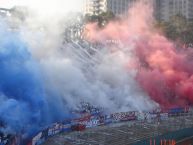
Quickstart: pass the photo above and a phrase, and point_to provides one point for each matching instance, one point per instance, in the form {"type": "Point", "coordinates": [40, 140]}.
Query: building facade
{"type": "Point", "coordinates": [165, 9]}
{"type": "Point", "coordinates": [94, 7]}
{"type": "Point", "coordinates": [118, 7]}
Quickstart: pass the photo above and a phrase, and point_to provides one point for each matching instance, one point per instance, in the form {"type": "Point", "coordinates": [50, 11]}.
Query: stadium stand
{"type": "Point", "coordinates": [126, 133]}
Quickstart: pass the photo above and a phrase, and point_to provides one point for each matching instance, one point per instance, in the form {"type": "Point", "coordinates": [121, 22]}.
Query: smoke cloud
{"type": "Point", "coordinates": [42, 79]}
{"type": "Point", "coordinates": [22, 96]}
{"type": "Point", "coordinates": [163, 71]}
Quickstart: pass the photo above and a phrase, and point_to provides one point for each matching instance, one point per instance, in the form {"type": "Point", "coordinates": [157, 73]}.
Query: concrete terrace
{"type": "Point", "coordinates": [123, 133]}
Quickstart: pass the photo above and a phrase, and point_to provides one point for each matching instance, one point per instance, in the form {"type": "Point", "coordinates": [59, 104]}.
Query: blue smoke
{"type": "Point", "coordinates": [21, 93]}
{"type": "Point", "coordinates": [23, 103]}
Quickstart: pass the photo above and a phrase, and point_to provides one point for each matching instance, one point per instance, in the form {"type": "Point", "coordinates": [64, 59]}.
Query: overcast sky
{"type": "Point", "coordinates": [45, 5]}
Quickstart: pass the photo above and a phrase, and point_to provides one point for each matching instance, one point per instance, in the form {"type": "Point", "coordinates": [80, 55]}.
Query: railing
{"type": "Point", "coordinates": [100, 119]}
{"type": "Point", "coordinates": [91, 121]}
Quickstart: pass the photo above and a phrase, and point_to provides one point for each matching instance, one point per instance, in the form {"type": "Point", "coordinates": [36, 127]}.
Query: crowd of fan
{"type": "Point", "coordinates": [91, 116]}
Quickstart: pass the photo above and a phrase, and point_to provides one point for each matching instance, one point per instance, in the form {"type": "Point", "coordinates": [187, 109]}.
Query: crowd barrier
{"type": "Point", "coordinates": [90, 121]}
{"type": "Point", "coordinates": [97, 119]}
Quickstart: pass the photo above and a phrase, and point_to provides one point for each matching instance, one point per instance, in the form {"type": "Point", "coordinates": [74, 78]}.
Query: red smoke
{"type": "Point", "coordinates": [164, 72]}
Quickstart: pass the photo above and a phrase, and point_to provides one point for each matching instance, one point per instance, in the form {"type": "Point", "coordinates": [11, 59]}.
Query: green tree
{"type": "Point", "coordinates": [178, 28]}
{"type": "Point", "coordinates": [102, 19]}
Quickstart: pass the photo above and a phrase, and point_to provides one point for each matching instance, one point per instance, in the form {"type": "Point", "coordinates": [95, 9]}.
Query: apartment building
{"type": "Point", "coordinates": [94, 7]}
{"type": "Point", "coordinates": [118, 7]}
{"type": "Point", "coordinates": [165, 9]}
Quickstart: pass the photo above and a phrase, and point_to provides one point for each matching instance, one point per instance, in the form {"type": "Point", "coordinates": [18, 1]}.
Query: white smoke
{"type": "Point", "coordinates": [45, 8]}
{"type": "Point", "coordinates": [72, 74]}
{"type": "Point", "coordinates": [101, 79]}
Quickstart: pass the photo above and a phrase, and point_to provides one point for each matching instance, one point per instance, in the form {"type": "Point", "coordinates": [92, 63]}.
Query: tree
{"type": "Point", "coordinates": [102, 19]}
{"type": "Point", "coordinates": [178, 28]}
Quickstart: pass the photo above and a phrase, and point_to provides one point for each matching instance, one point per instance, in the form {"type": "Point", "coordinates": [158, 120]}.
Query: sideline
{"type": "Point", "coordinates": [185, 139]}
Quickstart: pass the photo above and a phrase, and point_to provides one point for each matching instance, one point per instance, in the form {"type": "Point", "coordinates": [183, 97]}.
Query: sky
{"type": "Point", "coordinates": [48, 6]}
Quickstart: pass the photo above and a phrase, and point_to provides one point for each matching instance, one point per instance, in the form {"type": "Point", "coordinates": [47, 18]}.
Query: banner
{"type": "Point", "coordinates": [124, 116]}
{"type": "Point", "coordinates": [164, 116]}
